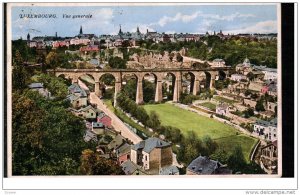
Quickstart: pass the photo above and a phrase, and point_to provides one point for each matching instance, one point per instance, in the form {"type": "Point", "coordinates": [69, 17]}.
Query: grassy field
{"type": "Point", "coordinates": [226, 136]}
{"type": "Point", "coordinates": [209, 105]}
{"type": "Point", "coordinates": [222, 99]}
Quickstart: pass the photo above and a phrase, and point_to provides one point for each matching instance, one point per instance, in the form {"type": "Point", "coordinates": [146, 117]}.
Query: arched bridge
{"type": "Point", "coordinates": [196, 75]}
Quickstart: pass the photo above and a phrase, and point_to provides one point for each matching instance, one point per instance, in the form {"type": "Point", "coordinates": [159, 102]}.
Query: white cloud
{"type": "Point", "coordinates": [269, 26]}
{"type": "Point", "coordinates": [178, 17]}
{"type": "Point", "coordinates": [187, 18]}
{"type": "Point", "coordinates": [170, 32]}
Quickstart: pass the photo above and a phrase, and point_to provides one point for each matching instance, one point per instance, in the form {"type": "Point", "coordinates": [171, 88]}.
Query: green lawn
{"type": "Point", "coordinates": [209, 105]}
{"type": "Point", "coordinates": [222, 99]}
{"type": "Point", "coordinates": [225, 135]}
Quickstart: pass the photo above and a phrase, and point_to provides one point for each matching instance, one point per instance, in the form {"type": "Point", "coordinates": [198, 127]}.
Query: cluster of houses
{"type": "Point", "coordinates": [263, 81]}
{"type": "Point", "coordinates": [127, 39]}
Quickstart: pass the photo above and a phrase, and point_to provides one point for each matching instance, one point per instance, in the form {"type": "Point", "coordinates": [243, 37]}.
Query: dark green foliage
{"type": "Point", "coordinates": [260, 105]}
{"type": "Point", "coordinates": [188, 98]}
{"type": "Point", "coordinates": [233, 51]}
{"type": "Point", "coordinates": [55, 85]}
{"type": "Point", "coordinates": [148, 91]}
{"type": "Point", "coordinates": [117, 63]}
{"type": "Point", "coordinates": [19, 73]}
{"type": "Point", "coordinates": [93, 164]}
{"type": "Point", "coordinates": [236, 160]}
{"type": "Point", "coordinates": [47, 140]}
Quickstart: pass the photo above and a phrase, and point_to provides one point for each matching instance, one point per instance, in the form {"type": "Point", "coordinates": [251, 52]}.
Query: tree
{"type": "Point", "coordinates": [55, 85]}
{"type": "Point", "coordinates": [93, 164]}
{"type": "Point", "coordinates": [117, 63]}
{"type": "Point", "coordinates": [52, 60]}
{"type": "Point", "coordinates": [260, 105]}
{"type": "Point", "coordinates": [250, 76]}
{"type": "Point", "coordinates": [154, 121]}
{"type": "Point", "coordinates": [19, 73]}
{"type": "Point", "coordinates": [47, 139]}
{"type": "Point", "coordinates": [236, 160]}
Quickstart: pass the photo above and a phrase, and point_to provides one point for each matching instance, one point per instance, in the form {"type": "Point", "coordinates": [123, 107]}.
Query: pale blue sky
{"type": "Point", "coordinates": [169, 19]}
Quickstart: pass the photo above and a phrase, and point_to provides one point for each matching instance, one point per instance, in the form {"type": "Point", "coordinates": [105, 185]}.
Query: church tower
{"type": "Point", "coordinates": [80, 31]}
{"type": "Point", "coordinates": [28, 37]}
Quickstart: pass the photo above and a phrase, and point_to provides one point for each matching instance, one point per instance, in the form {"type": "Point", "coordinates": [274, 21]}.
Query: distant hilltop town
{"type": "Point", "coordinates": [129, 39]}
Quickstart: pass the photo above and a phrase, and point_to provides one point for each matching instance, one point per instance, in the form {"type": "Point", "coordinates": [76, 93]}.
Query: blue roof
{"type": "Point", "coordinates": [75, 88]}
{"type": "Point", "coordinates": [129, 167]}
{"type": "Point", "coordinates": [204, 165]}
{"type": "Point", "coordinates": [149, 144]}
{"type": "Point", "coordinates": [170, 170]}
{"type": "Point", "coordinates": [36, 85]}
{"type": "Point", "coordinates": [72, 97]}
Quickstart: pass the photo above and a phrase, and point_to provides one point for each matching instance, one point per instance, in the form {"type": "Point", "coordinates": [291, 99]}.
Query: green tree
{"type": "Point", "coordinates": [117, 63]}
{"type": "Point", "coordinates": [236, 160]}
{"type": "Point", "coordinates": [93, 164]}
{"type": "Point", "coordinates": [153, 121]}
{"type": "Point", "coordinates": [52, 60]}
{"type": "Point", "coordinates": [19, 73]}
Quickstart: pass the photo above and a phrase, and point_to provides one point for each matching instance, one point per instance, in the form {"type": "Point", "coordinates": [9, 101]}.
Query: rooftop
{"type": "Point", "coordinates": [36, 85]}
{"type": "Point", "coordinates": [149, 144]}
{"type": "Point", "coordinates": [204, 166]}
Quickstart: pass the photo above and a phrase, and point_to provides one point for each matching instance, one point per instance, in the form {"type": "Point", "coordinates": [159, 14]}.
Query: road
{"type": "Point", "coordinates": [117, 124]}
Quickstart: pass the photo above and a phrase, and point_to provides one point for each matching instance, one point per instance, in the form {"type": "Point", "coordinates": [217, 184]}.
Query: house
{"type": "Point", "coordinates": [170, 170]}
{"type": "Point", "coordinates": [222, 109]}
{"type": "Point", "coordinates": [79, 41]}
{"type": "Point", "coordinates": [272, 90]}
{"type": "Point", "coordinates": [238, 77]}
{"type": "Point", "coordinates": [130, 168]}
{"type": "Point", "coordinates": [89, 49]}
{"type": "Point", "coordinates": [272, 106]}
{"type": "Point", "coordinates": [77, 96]}
{"type": "Point", "coordinates": [267, 114]}
{"type": "Point", "coordinates": [249, 103]}
{"type": "Point", "coordinates": [106, 120]}
{"type": "Point", "coordinates": [152, 154]}
{"type": "Point", "coordinates": [256, 86]}
{"type": "Point", "coordinates": [270, 74]}
{"type": "Point", "coordinates": [266, 129]}
{"type": "Point", "coordinates": [269, 158]}
{"type": "Point", "coordinates": [218, 63]}
{"type": "Point", "coordinates": [39, 87]}
{"type": "Point", "coordinates": [89, 135]}
{"type": "Point", "coordinates": [123, 153]}
{"type": "Point", "coordinates": [203, 165]}
{"type": "Point", "coordinates": [98, 128]}
{"type": "Point", "coordinates": [245, 67]}
{"type": "Point", "coordinates": [117, 142]}
{"type": "Point", "coordinates": [77, 101]}
{"type": "Point", "coordinates": [88, 112]}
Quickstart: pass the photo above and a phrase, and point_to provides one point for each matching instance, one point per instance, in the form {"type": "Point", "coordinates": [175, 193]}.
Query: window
{"type": "Point", "coordinates": [92, 114]}
{"type": "Point", "coordinates": [128, 156]}
{"type": "Point", "coordinates": [146, 157]}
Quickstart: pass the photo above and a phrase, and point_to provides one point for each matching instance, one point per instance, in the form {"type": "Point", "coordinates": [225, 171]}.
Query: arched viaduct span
{"type": "Point", "coordinates": [196, 76]}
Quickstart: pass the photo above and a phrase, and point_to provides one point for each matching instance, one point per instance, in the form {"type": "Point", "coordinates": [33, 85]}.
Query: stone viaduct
{"type": "Point", "coordinates": [196, 76]}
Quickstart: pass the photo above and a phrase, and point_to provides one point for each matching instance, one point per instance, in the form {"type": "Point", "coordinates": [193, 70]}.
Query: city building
{"type": "Point", "coordinates": [152, 154]}
{"type": "Point", "coordinates": [203, 165]}
{"type": "Point", "coordinates": [266, 129]}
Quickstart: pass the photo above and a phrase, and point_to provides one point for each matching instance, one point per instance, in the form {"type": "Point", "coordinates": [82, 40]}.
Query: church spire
{"type": "Point", "coordinates": [80, 31]}
{"type": "Point", "coordinates": [120, 31]}
{"type": "Point", "coordinates": [138, 30]}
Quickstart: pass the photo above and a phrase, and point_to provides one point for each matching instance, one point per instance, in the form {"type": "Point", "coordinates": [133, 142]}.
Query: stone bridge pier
{"type": "Point", "coordinates": [197, 75]}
